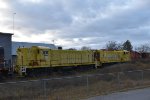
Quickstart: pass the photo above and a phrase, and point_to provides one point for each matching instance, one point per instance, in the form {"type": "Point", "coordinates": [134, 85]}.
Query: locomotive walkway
{"type": "Point", "coordinates": [139, 94]}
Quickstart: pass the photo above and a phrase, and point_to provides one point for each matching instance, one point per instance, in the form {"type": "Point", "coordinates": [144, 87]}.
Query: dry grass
{"type": "Point", "coordinates": [122, 67]}
{"type": "Point", "coordinates": [80, 87]}
{"type": "Point", "coordinates": [68, 89]}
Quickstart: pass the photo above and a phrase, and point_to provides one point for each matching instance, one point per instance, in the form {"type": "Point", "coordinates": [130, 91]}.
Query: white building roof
{"type": "Point", "coordinates": [16, 45]}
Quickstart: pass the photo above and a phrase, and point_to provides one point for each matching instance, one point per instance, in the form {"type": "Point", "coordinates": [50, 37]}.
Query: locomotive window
{"type": "Point", "coordinates": [97, 55]}
{"type": "Point", "coordinates": [45, 52]}
{"type": "Point", "coordinates": [125, 52]}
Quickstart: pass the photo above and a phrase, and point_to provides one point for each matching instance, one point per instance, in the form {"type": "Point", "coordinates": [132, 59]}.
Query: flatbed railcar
{"type": "Point", "coordinates": [38, 59]}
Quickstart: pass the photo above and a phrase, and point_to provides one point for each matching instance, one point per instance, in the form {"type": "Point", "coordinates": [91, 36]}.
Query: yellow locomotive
{"type": "Point", "coordinates": [39, 58]}
{"type": "Point", "coordinates": [104, 56]}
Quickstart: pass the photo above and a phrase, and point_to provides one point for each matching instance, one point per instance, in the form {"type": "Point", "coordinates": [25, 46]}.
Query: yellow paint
{"type": "Point", "coordinates": [38, 57]}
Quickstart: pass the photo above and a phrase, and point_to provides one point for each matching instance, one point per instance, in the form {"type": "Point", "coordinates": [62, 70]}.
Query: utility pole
{"type": "Point", "coordinates": [53, 41]}
{"type": "Point", "coordinates": [13, 22]}
{"type": "Point", "coordinates": [12, 67]}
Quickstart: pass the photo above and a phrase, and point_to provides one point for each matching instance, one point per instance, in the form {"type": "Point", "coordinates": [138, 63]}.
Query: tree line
{"type": "Point", "coordinates": [113, 45]}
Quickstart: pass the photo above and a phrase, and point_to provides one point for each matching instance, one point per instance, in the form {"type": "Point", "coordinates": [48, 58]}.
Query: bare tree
{"type": "Point", "coordinates": [113, 45]}
{"type": "Point", "coordinates": [85, 48]}
{"type": "Point", "coordinates": [72, 49]}
{"type": "Point", "coordinates": [143, 48]}
{"type": "Point", "coordinates": [119, 46]}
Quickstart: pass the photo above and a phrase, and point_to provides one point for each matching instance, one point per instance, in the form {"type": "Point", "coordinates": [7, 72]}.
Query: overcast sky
{"type": "Point", "coordinates": [77, 23]}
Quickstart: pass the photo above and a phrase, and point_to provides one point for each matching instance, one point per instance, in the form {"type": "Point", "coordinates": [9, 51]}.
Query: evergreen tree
{"type": "Point", "coordinates": [127, 45]}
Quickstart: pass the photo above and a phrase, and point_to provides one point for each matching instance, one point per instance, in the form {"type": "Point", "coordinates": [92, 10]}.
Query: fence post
{"type": "Point", "coordinates": [44, 88]}
{"type": "Point", "coordinates": [142, 76]}
{"type": "Point", "coordinates": [87, 84]}
{"type": "Point", "coordinates": [118, 78]}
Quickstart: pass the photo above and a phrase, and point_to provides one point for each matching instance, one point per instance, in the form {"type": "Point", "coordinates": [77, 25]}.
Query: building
{"type": "Point", "coordinates": [10, 47]}
{"type": "Point", "coordinates": [16, 45]}
{"type": "Point", "coordinates": [5, 42]}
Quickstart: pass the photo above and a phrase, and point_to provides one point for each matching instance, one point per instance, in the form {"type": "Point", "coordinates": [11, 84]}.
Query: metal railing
{"type": "Point", "coordinates": [74, 88]}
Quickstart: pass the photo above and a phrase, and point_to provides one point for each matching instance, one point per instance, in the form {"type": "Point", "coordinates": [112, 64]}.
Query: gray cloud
{"type": "Point", "coordinates": [77, 23]}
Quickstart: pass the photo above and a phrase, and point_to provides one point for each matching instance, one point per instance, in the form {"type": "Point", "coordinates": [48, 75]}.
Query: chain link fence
{"type": "Point", "coordinates": [74, 88]}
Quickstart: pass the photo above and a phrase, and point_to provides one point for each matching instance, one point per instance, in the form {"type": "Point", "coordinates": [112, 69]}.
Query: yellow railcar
{"type": "Point", "coordinates": [103, 56]}
{"type": "Point", "coordinates": [42, 57]}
